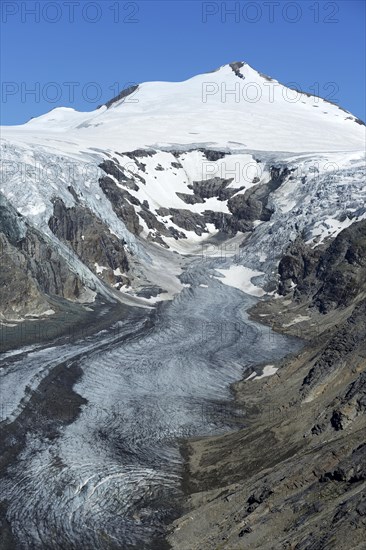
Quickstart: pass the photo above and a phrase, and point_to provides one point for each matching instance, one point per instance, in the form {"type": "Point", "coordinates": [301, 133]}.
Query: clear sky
{"type": "Point", "coordinates": [78, 53]}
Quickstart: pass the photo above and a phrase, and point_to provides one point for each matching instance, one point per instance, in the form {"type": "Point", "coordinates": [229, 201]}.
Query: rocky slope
{"type": "Point", "coordinates": [31, 269]}
{"type": "Point", "coordinates": [295, 476]}
{"type": "Point", "coordinates": [331, 278]}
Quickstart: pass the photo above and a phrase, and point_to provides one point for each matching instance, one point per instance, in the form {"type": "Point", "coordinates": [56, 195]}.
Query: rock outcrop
{"type": "Point", "coordinates": [253, 204]}
{"type": "Point", "coordinates": [331, 276]}
{"type": "Point", "coordinates": [91, 240]}
{"type": "Point", "coordinates": [31, 269]}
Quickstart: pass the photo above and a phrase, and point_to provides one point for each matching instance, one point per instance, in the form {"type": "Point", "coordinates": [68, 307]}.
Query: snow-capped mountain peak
{"type": "Point", "coordinates": [233, 107]}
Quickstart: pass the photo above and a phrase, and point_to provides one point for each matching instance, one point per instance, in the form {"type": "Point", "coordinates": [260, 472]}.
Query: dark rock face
{"type": "Point", "coordinates": [122, 203]}
{"type": "Point", "coordinates": [213, 155]}
{"type": "Point", "coordinates": [244, 208]}
{"type": "Point", "coordinates": [253, 204]}
{"type": "Point", "coordinates": [185, 219]}
{"type": "Point", "coordinates": [295, 266]}
{"type": "Point", "coordinates": [357, 391]}
{"type": "Point", "coordinates": [259, 496]}
{"type": "Point", "coordinates": [351, 403]}
{"type": "Point", "coordinates": [90, 239]}
{"type": "Point", "coordinates": [214, 187]}
{"type": "Point", "coordinates": [210, 154]}
{"type": "Point", "coordinates": [122, 95]}
{"type": "Point", "coordinates": [244, 531]}
{"type": "Point", "coordinates": [346, 339]}
{"type": "Point", "coordinates": [139, 154]}
{"type": "Point", "coordinates": [236, 66]}
{"type": "Point", "coordinates": [332, 277]}
{"type": "Point", "coordinates": [352, 469]}
{"type": "Point", "coordinates": [161, 228]}
{"type": "Point", "coordinates": [50, 271]}
{"type": "Point", "coordinates": [30, 268]}
{"type": "Point", "coordinates": [342, 269]}
{"type": "Point", "coordinates": [337, 420]}
{"type": "Point", "coordinates": [112, 168]}
{"type": "Point", "coordinates": [190, 199]}
{"type": "Point", "coordinates": [226, 223]}
{"type": "Point", "coordinates": [11, 223]}
{"type": "Point", "coordinates": [19, 290]}
{"type": "Point", "coordinates": [347, 524]}
{"type": "Point", "coordinates": [352, 510]}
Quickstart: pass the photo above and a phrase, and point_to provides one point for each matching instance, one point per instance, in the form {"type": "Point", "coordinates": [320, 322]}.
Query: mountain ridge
{"type": "Point", "coordinates": [206, 106]}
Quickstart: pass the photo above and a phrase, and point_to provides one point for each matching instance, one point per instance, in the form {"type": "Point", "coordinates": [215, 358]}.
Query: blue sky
{"type": "Point", "coordinates": [79, 53]}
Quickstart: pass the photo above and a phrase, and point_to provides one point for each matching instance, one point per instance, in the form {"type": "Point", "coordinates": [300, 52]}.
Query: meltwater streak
{"type": "Point", "coordinates": [110, 480]}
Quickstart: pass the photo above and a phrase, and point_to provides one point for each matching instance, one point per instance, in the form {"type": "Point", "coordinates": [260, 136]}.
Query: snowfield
{"type": "Point", "coordinates": [226, 108]}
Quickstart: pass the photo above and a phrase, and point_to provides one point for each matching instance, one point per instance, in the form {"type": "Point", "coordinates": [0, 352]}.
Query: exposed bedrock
{"type": "Point", "coordinates": [122, 203]}
{"type": "Point", "coordinates": [252, 205]}
{"type": "Point", "coordinates": [339, 351]}
{"type": "Point", "coordinates": [31, 268]}
{"type": "Point", "coordinates": [112, 168]}
{"type": "Point", "coordinates": [214, 187]}
{"type": "Point", "coordinates": [99, 249]}
{"type": "Point", "coordinates": [190, 221]}
{"type": "Point", "coordinates": [332, 276]}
